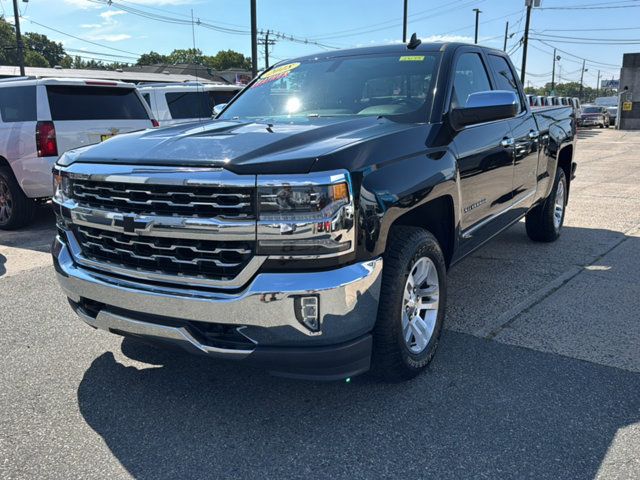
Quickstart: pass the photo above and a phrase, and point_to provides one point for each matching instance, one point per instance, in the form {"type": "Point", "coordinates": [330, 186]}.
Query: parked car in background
{"type": "Point", "coordinates": [577, 107]}
{"type": "Point", "coordinates": [613, 115]}
{"type": "Point", "coordinates": [173, 103]}
{"type": "Point", "coordinates": [40, 119]}
{"type": "Point", "coordinates": [534, 101]}
{"type": "Point", "coordinates": [308, 229]}
{"type": "Point", "coordinates": [594, 115]}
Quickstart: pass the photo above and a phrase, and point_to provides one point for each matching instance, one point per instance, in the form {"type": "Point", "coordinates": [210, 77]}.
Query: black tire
{"type": "Point", "coordinates": [541, 221]}
{"type": "Point", "coordinates": [392, 359]}
{"type": "Point", "coordinates": [16, 209]}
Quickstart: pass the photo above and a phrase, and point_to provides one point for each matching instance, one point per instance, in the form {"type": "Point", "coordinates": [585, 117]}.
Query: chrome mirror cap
{"type": "Point", "coordinates": [218, 108]}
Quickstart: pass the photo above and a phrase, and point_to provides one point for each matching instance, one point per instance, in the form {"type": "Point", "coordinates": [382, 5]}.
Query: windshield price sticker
{"type": "Point", "coordinates": [412, 58]}
{"type": "Point", "coordinates": [276, 74]}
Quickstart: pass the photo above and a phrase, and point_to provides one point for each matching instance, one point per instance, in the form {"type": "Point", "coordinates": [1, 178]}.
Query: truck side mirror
{"type": "Point", "coordinates": [484, 107]}
{"type": "Point", "coordinates": [217, 109]}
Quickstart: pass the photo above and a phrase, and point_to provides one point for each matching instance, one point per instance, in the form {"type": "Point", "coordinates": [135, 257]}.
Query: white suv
{"type": "Point", "coordinates": [173, 103]}
{"type": "Point", "coordinates": [41, 119]}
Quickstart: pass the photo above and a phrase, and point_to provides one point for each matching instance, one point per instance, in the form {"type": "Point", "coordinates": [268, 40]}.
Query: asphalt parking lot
{"type": "Point", "coordinates": [537, 376]}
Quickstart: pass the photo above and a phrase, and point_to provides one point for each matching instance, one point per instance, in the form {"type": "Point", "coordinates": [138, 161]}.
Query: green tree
{"type": "Point", "coordinates": [52, 52]}
{"type": "Point", "coordinates": [222, 60]}
{"type": "Point", "coordinates": [35, 59]}
{"type": "Point", "coordinates": [188, 55]}
{"type": "Point", "coordinates": [226, 59]}
{"type": "Point", "coordinates": [8, 50]}
{"type": "Point", "coordinates": [152, 58]}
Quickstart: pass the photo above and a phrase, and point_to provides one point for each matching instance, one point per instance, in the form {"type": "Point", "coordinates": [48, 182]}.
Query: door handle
{"type": "Point", "coordinates": [534, 134]}
{"type": "Point", "coordinates": [508, 142]}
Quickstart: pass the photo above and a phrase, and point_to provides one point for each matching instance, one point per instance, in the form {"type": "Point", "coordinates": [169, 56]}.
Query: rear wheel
{"type": "Point", "coordinates": [16, 209]}
{"type": "Point", "coordinates": [412, 304]}
{"type": "Point", "coordinates": [545, 221]}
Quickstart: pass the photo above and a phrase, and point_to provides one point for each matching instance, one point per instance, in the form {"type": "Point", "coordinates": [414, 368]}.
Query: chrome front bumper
{"type": "Point", "coordinates": [263, 310]}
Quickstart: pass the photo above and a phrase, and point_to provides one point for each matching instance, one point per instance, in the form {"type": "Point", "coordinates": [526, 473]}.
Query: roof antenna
{"type": "Point", "coordinates": [414, 42]}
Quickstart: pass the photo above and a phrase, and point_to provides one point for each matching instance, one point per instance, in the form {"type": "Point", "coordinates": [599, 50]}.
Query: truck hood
{"type": "Point", "coordinates": [243, 147]}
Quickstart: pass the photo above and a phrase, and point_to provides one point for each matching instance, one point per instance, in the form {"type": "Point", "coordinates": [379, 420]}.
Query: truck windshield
{"type": "Point", "coordinates": [591, 110]}
{"type": "Point", "coordinates": [397, 86]}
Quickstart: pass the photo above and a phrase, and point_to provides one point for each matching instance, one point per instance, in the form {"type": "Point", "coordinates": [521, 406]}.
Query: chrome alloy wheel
{"type": "Point", "coordinates": [6, 202]}
{"type": "Point", "coordinates": [420, 305]}
{"type": "Point", "coordinates": [558, 208]}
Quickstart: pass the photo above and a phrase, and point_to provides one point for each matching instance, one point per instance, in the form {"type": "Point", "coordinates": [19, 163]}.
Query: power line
{"type": "Point", "coordinates": [595, 7]}
{"type": "Point", "coordinates": [100, 53]}
{"type": "Point", "coordinates": [586, 39]}
{"type": "Point", "coordinates": [79, 38]}
{"type": "Point", "coordinates": [570, 60]}
{"type": "Point", "coordinates": [203, 24]}
{"type": "Point", "coordinates": [388, 24]}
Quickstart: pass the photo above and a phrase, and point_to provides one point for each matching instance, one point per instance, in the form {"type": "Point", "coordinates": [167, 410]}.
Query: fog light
{"type": "Point", "coordinates": [307, 310]}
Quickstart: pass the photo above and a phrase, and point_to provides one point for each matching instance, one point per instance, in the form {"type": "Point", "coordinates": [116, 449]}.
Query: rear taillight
{"type": "Point", "coordinates": [46, 139]}
{"type": "Point", "coordinates": [155, 123]}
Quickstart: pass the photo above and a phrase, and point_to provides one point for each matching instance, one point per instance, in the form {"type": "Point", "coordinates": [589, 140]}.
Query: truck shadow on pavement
{"type": "Point", "coordinates": [483, 409]}
{"type": "Point", "coordinates": [3, 260]}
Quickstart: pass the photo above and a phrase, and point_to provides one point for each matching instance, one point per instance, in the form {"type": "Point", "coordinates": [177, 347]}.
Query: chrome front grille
{"type": "Point", "coordinates": [187, 226]}
{"type": "Point", "coordinates": [174, 200]}
{"type": "Point", "coordinates": [170, 256]}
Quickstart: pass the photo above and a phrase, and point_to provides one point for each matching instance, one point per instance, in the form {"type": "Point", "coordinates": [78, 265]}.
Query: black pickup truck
{"type": "Point", "coordinates": [309, 228]}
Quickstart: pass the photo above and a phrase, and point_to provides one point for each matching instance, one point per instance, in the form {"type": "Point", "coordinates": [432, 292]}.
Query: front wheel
{"type": "Point", "coordinates": [544, 222]}
{"type": "Point", "coordinates": [412, 304]}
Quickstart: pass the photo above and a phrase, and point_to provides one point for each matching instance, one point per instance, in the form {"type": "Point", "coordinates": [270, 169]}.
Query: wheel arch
{"type": "Point", "coordinates": [565, 160]}
{"type": "Point", "coordinates": [437, 216]}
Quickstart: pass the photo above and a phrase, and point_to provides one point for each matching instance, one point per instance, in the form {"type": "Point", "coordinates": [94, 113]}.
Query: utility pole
{"type": "Point", "coordinates": [19, 44]}
{"type": "Point", "coordinates": [478, 12]}
{"type": "Point", "coordinates": [404, 21]}
{"type": "Point", "coordinates": [266, 42]}
{"type": "Point", "coordinates": [525, 41]}
{"type": "Point", "coordinates": [582, 78]}
{"type": "Point", "coordinates": [254, 40]}
{"type": "Point", "coordinates": [553, 71]}
{"type": "Point", "coordinates": [506, 35]}
{"type": "Point", "coordinates": [598, 85]}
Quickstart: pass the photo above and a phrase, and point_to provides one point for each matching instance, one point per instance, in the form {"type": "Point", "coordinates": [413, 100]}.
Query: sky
{"type": "Point", "coordinates": [127, 28]}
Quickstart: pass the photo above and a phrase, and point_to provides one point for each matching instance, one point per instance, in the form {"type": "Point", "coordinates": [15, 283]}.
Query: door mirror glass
{"type": "Point", "coordinates": [484, 107]}
{"type": "Point", "coordinates": [218, 108]}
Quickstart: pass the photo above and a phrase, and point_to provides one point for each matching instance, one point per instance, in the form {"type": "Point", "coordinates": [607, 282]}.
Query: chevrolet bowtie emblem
{"type": "Point", "coordinates": [131, 223]}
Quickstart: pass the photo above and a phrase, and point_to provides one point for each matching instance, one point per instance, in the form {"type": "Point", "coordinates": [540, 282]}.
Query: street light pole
{"type": "Point", "coordinates": [525, 41]}
{"type": "Point", "coordinates": [16, 14]}
{"type": "Point", "coordinates": [506, 35]}
{"type": "Point", "coordinates": [553, 72]}
{"type": "Point", "coordinates": [404, 21]}
{"type": "Point", "coordinates": [254, 40]}
{"type": "Point", "coordinates": [478, 12]}
{"type": "Point", "coordinates": [582, 78]}
{"type": "Point", "coordinates": [598, 85]}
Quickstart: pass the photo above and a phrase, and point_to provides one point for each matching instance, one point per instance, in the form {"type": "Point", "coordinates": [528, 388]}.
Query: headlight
{"type": "Point", "coordinates": [61, 186]}
{"type": "Point", "coordinates": [305, 215]}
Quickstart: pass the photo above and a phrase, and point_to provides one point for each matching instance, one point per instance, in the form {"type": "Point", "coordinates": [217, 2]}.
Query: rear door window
{"type": "Point", "coordinates": [189, 104]}
{"type": "Point", "coordinates": [70, 102]}
{"type": "Point", "coordinates": [505, 79]}
{"type": "Point", "coordinates": [18, 104]}
{"type": "Point", "coordinates": [470, 76]}
{"type": "Point", "coordinates": [221, 96]}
